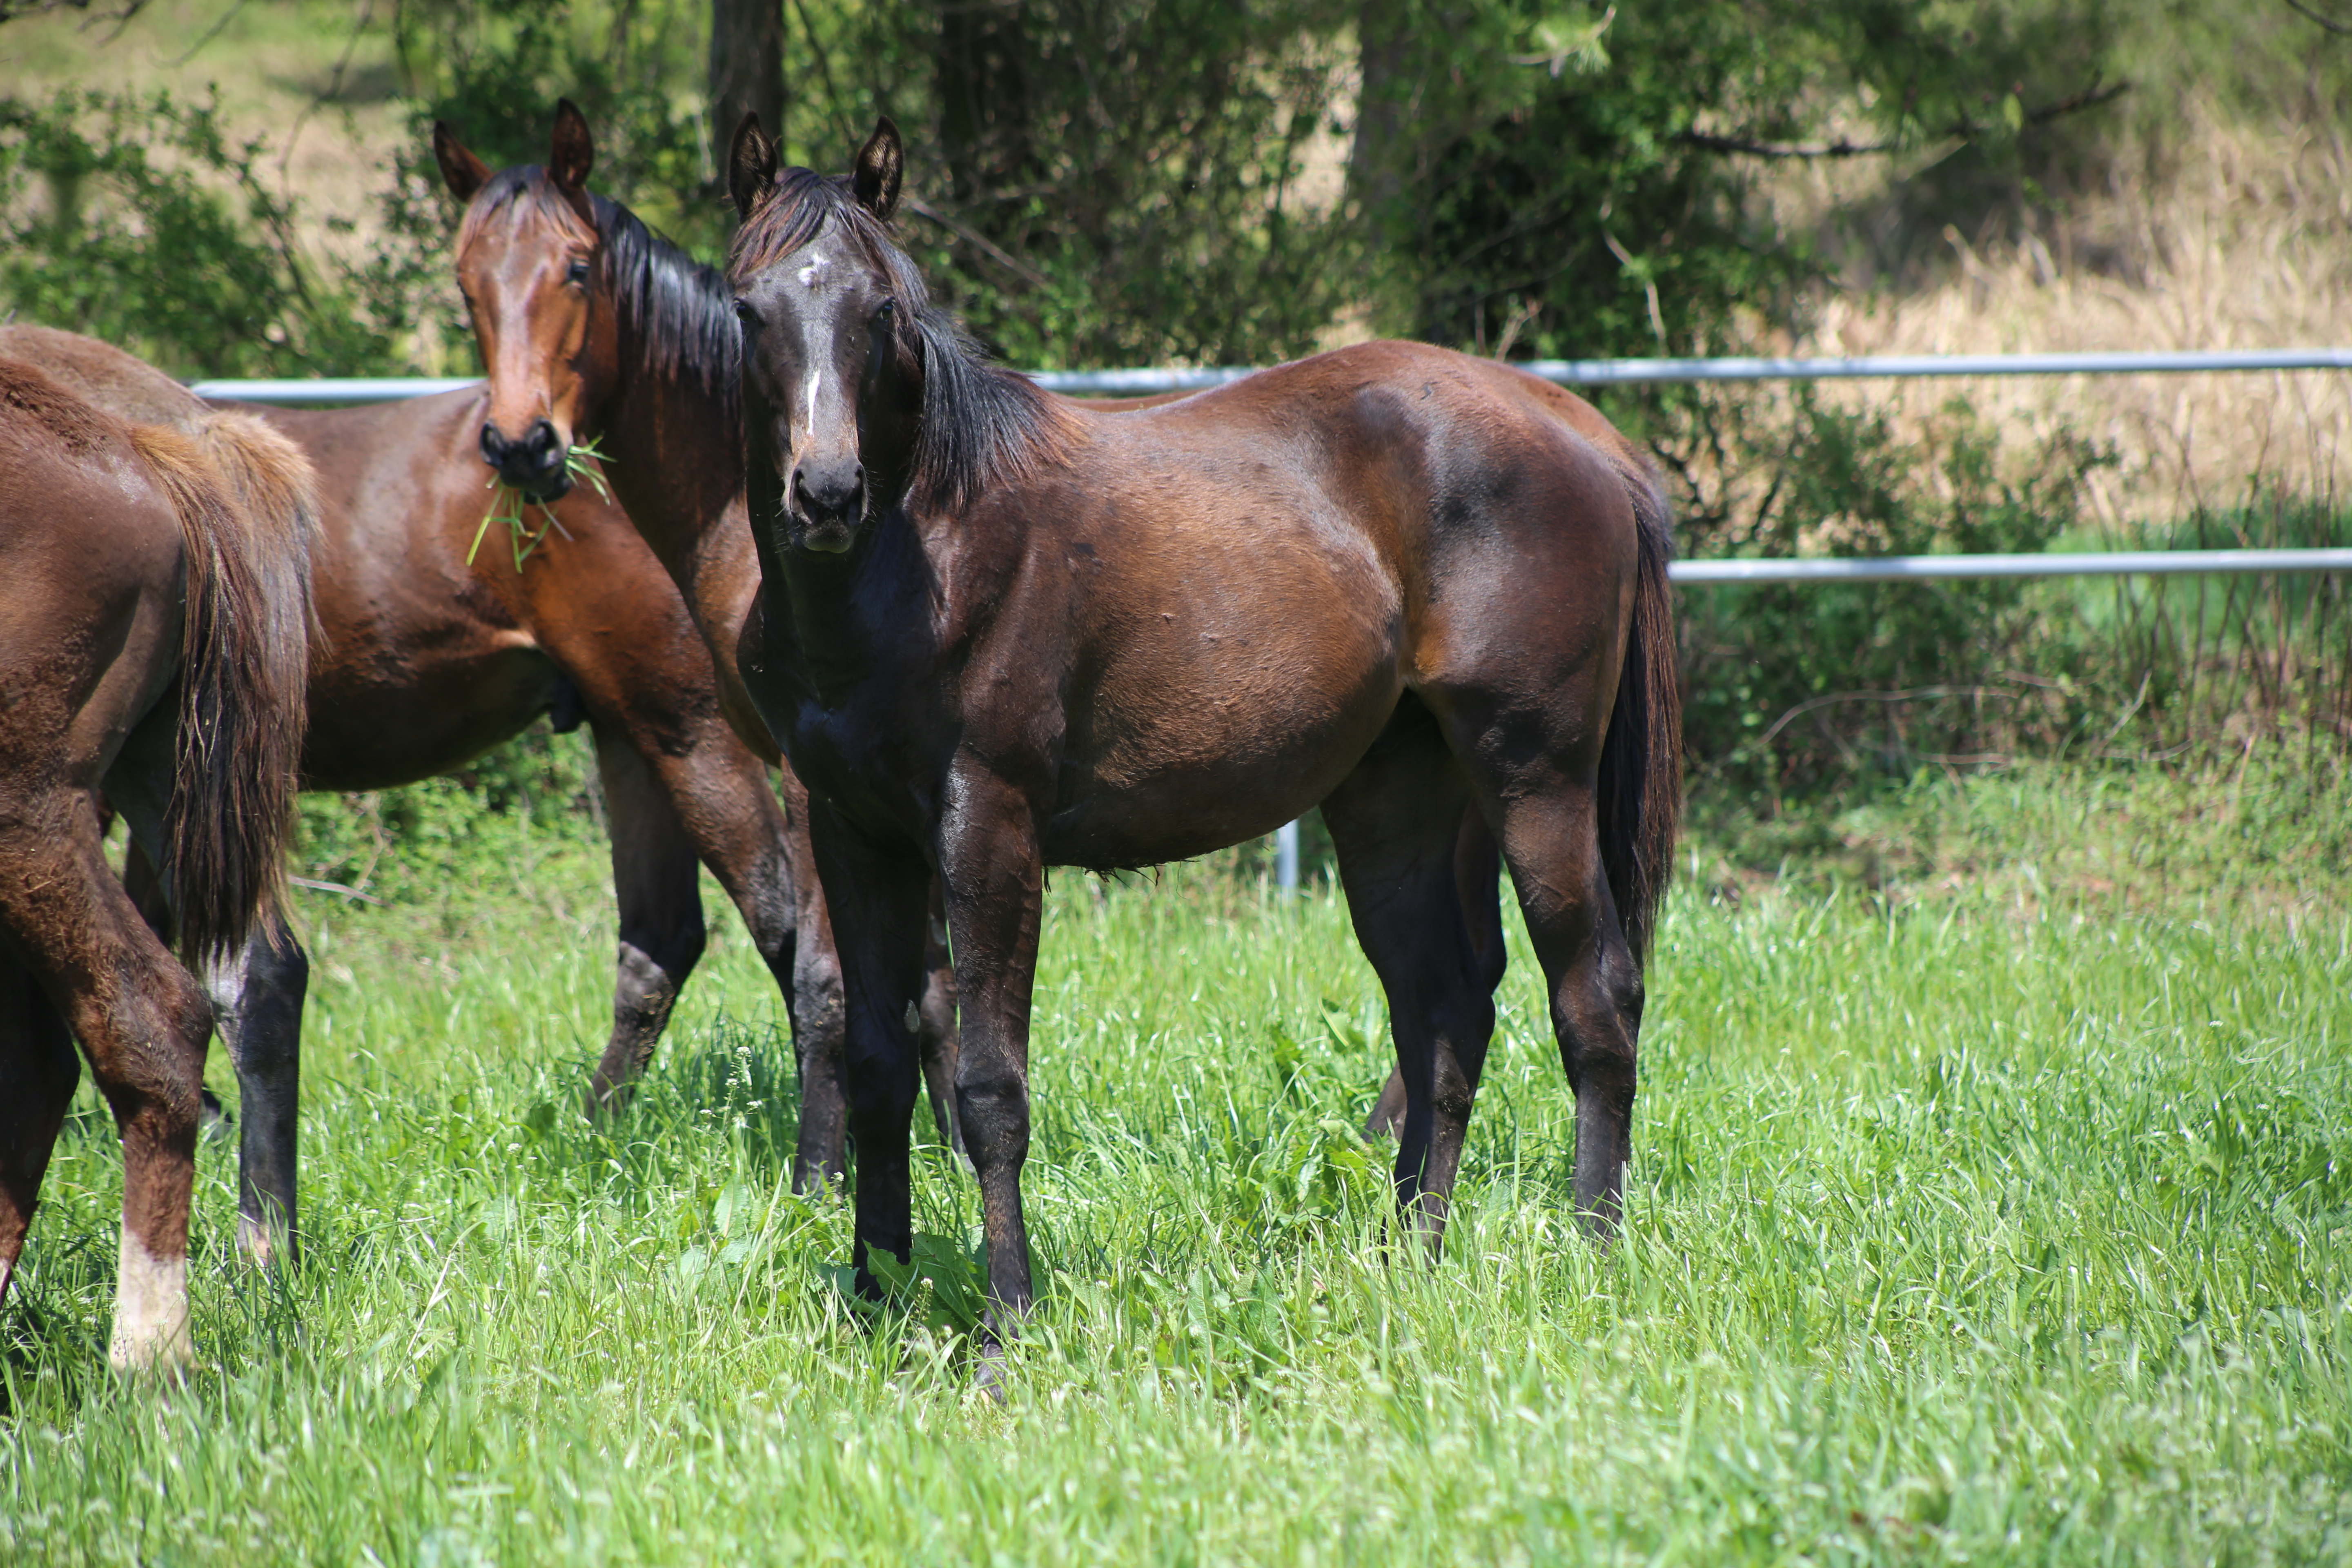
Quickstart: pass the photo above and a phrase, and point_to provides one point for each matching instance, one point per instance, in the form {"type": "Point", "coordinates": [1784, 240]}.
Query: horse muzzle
{"type": "Point", "coordinates": [828, 502]}
{"type": "Point", "coordinates": [533, 464]}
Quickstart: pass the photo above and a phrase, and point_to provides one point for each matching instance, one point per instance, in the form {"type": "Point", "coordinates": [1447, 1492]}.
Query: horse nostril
{"type": "Point", "coordinates": [494, 445]}
{"type": "Point", "coordinates": [836, 493]}
{"type": "Point", "coordinates": [543, 443]}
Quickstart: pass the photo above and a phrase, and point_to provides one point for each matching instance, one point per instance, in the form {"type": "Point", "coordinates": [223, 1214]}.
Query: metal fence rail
{"type": "Point", "coordinates": [1567, 372]}
{"type": "Point", "coordinates": [1949, 568]}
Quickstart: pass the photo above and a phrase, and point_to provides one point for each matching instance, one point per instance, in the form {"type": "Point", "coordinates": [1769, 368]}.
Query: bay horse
{"type": "Point", "coordinates": [593, 328]}
{"type": "Point", "coordinates": [433, 650]}
{"type": "Point", "coordinates": [997, 632]}
{"type": "Point", "coordinates": [153, 638]}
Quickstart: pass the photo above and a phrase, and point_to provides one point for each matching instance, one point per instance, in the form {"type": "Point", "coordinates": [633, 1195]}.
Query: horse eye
{"type": "Point", "coordinates": [577, 272]}
{"type": "Point", "coordinates": [747, 315]}
{"type": "Point", "coordinates": [886, 310]}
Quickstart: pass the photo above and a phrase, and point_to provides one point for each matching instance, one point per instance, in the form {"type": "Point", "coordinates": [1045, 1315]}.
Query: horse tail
{"type": "Point", "coordinates": [1641, 786]}
{"type": "Point", "coordinates": [244, 497]}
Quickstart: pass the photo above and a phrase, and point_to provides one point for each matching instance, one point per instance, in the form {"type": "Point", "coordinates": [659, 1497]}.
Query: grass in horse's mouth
{"type": "Point", "coordinates": [507, 505]}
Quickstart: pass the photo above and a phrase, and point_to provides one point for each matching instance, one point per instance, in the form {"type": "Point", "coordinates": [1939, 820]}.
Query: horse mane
{"type": "Point", "coordinates": [679, 312]}
{"type": "Point", "coordinates": [676, 315]}
{"type": "Point", "coordinates": [982, 425]}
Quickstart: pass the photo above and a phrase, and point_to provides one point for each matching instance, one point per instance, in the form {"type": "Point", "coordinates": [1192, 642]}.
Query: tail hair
{"type": "Point", "coordinates": [247, 512]}
{"type": "Point", "coordinates": [1640, 781]}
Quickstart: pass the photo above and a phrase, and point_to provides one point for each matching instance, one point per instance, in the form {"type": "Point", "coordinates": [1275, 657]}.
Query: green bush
{"type": "Point", "coordinates": [1795, 687]}
{"type": "Point", "coordinates": [138, 220]}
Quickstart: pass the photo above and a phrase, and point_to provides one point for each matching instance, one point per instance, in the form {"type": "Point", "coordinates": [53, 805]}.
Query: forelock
{"type": "Point", "coordinates": [803, 205]}
{"type": "Point", "coordinates": [526, 186]}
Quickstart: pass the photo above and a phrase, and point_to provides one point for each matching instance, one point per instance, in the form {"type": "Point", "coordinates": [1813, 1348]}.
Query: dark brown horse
{"type": "Point", "coordinates": [595, 330]}
{"type": "Point", "coordinates": [997, 632]}
{"type": "Point", "coordinates": [153, 638]}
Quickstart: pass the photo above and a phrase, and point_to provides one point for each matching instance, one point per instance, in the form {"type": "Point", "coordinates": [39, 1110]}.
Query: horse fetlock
{"type": "Point", "coordinates": [151, 1309]}
{"type": "Point", "coordinates": [265, 1235]}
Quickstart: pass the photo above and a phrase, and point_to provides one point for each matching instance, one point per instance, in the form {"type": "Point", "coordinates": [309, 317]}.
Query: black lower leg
{"type": "Point", "coordinates": [258, 1008]}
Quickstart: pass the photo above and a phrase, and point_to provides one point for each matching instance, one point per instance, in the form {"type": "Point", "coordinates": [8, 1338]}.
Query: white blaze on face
{"type": "Point", "coordinates": [151, 1309]}
{"type": "Point", "coordinates": [811, 276]}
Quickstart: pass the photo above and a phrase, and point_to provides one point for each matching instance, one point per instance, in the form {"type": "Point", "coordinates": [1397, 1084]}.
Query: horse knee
{"type": "Point", "coordinates": [884, 1094]}
{"type": "Point", "coordinates": [993, 1109]}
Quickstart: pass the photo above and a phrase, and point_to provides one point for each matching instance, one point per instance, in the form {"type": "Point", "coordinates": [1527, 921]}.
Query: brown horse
{"type": "Point", "coordinates": [152, 646]}
{"type": "Point", "coordinates": [433, 652]}
{"type": "Point", "coordinates": [596, 330]}
{"type": "Point", "coordinates": [997, 632]}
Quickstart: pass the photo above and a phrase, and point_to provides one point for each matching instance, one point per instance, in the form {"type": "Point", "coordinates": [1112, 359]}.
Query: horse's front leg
{"type": "Point", "coordinates": [994, 876]}
{"type": "Point", "coordinates": [879, 895]}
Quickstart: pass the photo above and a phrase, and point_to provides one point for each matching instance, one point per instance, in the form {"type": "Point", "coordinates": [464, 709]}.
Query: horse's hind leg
{"type": "Point", "coordinates": [654, 875]}
{"type": "Point", "coordinates": [1549, 840]}
{"type": "Point", "coordinates": [257, 1000]}
{"type": "Point", "coordinates": [38, 1065]}
{"type": "Point", "coordinates": [145, 1023]}
{"type": "Point", "coordinates": [1477, 880]}
{"type": "Point", "coordinates": [1396, 824]}
{"type": "Point", "coordinates": [935, 1026]}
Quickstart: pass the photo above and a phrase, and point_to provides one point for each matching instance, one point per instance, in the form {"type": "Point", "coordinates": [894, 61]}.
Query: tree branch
{"type": "Point", "coordinates": [1966, 129]}
{"type": "Point", "coordinates": [979, 242]}
{"type": "Point", "coordinates": [2340, 28]}
{"type": "Point", "coordinates": [12, 9]}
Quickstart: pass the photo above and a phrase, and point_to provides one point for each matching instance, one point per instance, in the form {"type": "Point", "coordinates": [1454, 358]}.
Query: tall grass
{"type": "Point", "coordinates": [1969, 1226]}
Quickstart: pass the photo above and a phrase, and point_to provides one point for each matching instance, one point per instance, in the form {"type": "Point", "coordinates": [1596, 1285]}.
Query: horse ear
{"type": "Point", "coordinates": [460, 169]}
{"type": "Point", "coordinates": [572, 152]}
{"type": "Point", "coordinates": [750, 167]}
{"type": "Point", "coordinates": [881, 164]}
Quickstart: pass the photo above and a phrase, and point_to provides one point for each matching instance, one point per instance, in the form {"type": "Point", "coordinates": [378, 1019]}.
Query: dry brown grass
{"type": "Point", "coordinates": [2238, 240]}
{"type": "Point", "coordinates": [314, 78]}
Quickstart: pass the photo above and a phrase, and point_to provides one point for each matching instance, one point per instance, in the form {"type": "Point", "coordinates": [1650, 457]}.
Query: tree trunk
{"type": "Point", "coordinates": [1376, 161]}
{"type": "Point", "coordinates": [747, 71]}
{"type": "Point", "coordinates": [981, 59]}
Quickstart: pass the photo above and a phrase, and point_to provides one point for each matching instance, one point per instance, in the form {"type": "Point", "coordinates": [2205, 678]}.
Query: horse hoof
{"type": "Point", "coordinates": [991, 1372]}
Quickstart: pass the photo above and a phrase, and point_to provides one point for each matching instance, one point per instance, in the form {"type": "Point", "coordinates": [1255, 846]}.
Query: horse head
{"type": "Point", "coordinates": [834, 318]}
{"type": "Point", "coordinates": [530, 255]}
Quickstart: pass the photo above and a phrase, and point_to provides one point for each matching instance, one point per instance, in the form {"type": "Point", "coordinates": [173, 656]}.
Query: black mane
{"type": "Point", "coordinates": [982, 425]}
{"type": "Point", "coordinates": [679, 312]}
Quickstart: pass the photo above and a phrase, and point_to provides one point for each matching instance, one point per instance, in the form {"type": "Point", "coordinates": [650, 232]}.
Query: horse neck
{"type": "Point", "coordinates": [676, 469]}
{"type": "Point", "coordinates": [825, 608]}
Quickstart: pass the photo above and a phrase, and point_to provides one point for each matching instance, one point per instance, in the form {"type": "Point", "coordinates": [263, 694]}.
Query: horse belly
{"type": "Point", "coordinates": [379, 724]}
{"type": "Point", "coordinates": [1189, 744]}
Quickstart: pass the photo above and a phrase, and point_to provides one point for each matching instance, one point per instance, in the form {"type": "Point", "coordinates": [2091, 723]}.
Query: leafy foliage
{"type": "Point", "coordinates": [1100, 183]}
{"type": "Point", "coordinates": [138, 220]}
{"type": "Point", "coordinates": [1883, 675]}
{"type": "Point", "coordinates": [1594, 197]}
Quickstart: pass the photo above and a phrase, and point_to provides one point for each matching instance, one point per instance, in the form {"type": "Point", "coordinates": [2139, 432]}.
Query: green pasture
{"type": "Point", "coordinates": [1993, 1218]}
